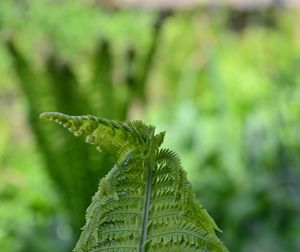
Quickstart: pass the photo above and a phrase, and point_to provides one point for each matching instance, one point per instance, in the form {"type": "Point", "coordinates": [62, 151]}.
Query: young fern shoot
{"type": "Point", "coordinates": [145, 203]}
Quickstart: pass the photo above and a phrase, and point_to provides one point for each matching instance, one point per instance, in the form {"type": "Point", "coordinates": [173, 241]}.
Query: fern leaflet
{"type": "Point", "coordinates": [145, 203]}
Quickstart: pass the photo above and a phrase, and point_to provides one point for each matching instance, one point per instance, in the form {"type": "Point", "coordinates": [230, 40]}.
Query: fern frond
{"type": "Point", "coordinates": [145, 203]}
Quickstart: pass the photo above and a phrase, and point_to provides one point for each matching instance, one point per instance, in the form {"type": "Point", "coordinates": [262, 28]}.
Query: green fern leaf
{"type": "Point", "coordinates": [145, 203]}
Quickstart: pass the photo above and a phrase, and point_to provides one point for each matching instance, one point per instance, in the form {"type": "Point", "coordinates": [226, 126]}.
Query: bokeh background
{"type": "Point", "coordinates": [222, 79]}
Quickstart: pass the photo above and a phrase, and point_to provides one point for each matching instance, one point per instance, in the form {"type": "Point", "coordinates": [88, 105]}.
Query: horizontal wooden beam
{"type": "Point", "coordinates": [190, 4]}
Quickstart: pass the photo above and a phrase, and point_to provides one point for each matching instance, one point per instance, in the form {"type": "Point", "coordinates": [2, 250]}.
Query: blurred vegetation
{"type": "Point", "coordinates": [224, 84]}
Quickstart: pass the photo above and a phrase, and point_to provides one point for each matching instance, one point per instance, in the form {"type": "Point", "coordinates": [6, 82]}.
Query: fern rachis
{"type": "Point", "coordinates": [145, 203]}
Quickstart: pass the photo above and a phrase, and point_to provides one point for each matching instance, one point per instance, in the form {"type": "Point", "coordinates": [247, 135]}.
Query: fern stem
{"type": "Point", "coordinates": [145, 214]}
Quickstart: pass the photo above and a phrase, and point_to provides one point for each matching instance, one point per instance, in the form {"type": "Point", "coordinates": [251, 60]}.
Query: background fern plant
{"type": "Point", "coordinates": [61, 89]}
{"type": "Point", "coordinates": [145, 203]}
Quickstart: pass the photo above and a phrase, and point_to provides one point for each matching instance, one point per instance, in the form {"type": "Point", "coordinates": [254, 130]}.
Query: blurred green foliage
{"type": "Point", "coordinates": [229, 100]}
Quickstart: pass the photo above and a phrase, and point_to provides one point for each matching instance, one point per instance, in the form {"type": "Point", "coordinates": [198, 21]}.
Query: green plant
{"type": "Point", "coordinates": [60, 88]}
{"type": "Point", "coordinates": [145, 203]}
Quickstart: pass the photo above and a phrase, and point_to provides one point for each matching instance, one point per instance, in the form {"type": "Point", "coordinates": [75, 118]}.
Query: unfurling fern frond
{"type": "Point", "coordinates": [145, 203]}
